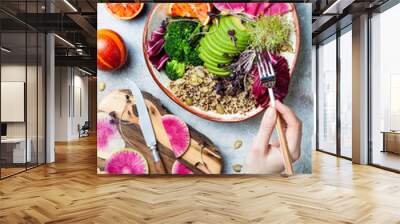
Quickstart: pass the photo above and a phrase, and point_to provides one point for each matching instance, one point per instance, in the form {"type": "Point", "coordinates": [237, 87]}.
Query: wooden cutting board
{"type": "Point", "coordinates": [202, 156]}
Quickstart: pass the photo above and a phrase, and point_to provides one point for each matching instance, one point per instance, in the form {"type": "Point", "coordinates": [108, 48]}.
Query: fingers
{"type": "Point", "coordinates": [293, 131]}
{"type": "Point", "coordinates": [266, 128]}
{"type": "Point", "coordinates": [275, 143]}
{"type": "Point", "coordinates": [287, 114]}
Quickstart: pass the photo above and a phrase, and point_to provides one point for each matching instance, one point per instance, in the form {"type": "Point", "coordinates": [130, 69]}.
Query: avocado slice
{"type": "Point", "coordinates": [223, 43]}
{"type": "Point", "coordinates": [242, 36]}
{"type": "Point", "coordinates": [207, 49]}
{"type": "Point", "coordinates": [219, 46]}
{"type": "Point", "coordinates": [216, 71]}
{"type": "Point", "coordinates": [231, 22]}
{"type": "Point", "coordinates": [220, 37]}
{"type": "Point", "coordinates": [226, 45]}
{"type": "Point", "coordinates": [208, 58]}
{"type": "Point", "coordinates": [210, 55]}
{"type": "Point", "coordinates": [215, 44]}
{"type": "Point", "coordinates": [225, 38]}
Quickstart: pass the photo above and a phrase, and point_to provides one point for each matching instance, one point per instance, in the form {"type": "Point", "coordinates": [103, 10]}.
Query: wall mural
{"type": "Point", "coordinates": [204, 88]}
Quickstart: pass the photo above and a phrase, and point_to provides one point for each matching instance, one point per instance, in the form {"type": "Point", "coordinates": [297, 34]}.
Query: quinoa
{"type": "Point", "coordinates": [198, 88]}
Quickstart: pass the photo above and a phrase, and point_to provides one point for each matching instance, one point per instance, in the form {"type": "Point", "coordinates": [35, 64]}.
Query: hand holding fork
{"type": "Point", "coordinates": [267, 77]}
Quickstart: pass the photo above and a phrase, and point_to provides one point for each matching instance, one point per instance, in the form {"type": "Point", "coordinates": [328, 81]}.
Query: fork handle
{"type": "Point", "coordinates": [284, 146]}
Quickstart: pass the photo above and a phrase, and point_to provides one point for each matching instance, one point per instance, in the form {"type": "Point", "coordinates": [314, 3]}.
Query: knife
{"type": "Point", "coordinates": [147, 128]}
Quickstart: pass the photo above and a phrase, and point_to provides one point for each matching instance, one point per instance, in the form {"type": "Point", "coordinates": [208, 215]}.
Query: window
{"type": "Point", "coordinates": [385, 89]}
{"type": "Point", "coordinates": [22, 77]}
{"type": "Point", "coordinates": [335, 74]}
{"type": "Point", "coordinates": [346, 93]}
{"type": "Point", "coordinates": [327, 96]}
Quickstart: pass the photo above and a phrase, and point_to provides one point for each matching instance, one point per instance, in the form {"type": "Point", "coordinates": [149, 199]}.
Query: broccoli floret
{"type": "Point", "coordinates": [193, 58]}
{"type": "Point", "coordinates": [180, 43]}
{"type": "Point", "coordinates": [175, 69]}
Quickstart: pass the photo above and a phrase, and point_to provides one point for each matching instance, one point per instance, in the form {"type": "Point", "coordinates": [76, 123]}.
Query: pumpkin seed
{"type": "Point", "coordinates": [237, 168]}
{"type": "Point", "coordinates": [189, 101]}
{"type": "Point", "coordinates": [238, 143]}
{"type": "Point", "coordinates": [102, 86]}
{"type": "Point", "coordinates": [220, 109]}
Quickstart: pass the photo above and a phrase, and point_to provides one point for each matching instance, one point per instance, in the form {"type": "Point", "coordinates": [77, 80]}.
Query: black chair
{"type": "Point", "coordinates": [84, 130]}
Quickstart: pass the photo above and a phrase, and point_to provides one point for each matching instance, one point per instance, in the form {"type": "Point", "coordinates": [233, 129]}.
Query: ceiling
{"type": "Point", "coordinates": [74, 21]}
{"type": "Point", "coordinates": [332, 15]}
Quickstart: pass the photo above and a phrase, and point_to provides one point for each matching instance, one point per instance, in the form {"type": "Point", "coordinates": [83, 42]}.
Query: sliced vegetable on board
{"type": "Point", "coordinates": [177, 132]}
{"type": "Point", "coordinates": [180, 168]}
{"type": "Point", "coordinates": [127, 161]}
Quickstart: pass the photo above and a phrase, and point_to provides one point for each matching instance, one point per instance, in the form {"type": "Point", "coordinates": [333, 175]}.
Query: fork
{"type": "Point", "coordinates": [267, 77]}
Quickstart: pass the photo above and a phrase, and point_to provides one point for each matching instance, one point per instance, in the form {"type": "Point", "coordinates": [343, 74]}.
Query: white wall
{"type": "Point", "coordinates": [80, 110]}
{"type": "Point", "coordinates": [61, 103]}
{"type": "Point", "coordinates": [33, 127]}
{"type": "Point", "coordinates": [70, 84]}
{"type": "Point", "coordinates": [16, 73]}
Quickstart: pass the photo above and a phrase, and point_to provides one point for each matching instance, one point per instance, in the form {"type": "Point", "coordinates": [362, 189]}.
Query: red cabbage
{"type": "Point", "coordinates": [281, 88]}
{"type": "Point", "coordinates": [159, 60]}
{"type": "Point", "coordinates": [155, 47]}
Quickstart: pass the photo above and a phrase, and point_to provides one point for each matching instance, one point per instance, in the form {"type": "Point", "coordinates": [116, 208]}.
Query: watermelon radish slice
{"type": "Point", "coordinates": [277, 9]}
{"type": "Point", "coordinates": [230, 7]}
{"type": "Point", "coordinates": [252, 8]}
{"type": "Point", "coordinates": [178, 134]}
{"type": "Point", "coordinates": [127, 161]}
{"type": "Point", "coordinates": [180, 168]}
{"type": "Point", "coordinates": [261, 8]}
{"type": "Point", "coordinates": [108, 138]}
{"type": "Point", "coordinates": [255, 9]}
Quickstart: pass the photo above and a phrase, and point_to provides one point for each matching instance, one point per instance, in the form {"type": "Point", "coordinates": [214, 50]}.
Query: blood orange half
{"type": "Point", "coordinates": [124, 11]}
{"type": "Point", "coordinates": [191, 10]}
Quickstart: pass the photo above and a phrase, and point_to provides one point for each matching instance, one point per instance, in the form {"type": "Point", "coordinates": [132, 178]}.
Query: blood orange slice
{"type": "Point", "coordinates": [191, 10]}
{"type": "Point", "coordinates": [124, 11]}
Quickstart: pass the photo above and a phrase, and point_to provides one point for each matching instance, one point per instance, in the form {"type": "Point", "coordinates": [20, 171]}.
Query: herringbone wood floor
{"type": "Point", "coordinates": [69, 191]}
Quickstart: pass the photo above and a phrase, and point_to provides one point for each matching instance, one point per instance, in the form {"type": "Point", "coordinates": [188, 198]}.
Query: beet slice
{"type": "Point", "coordinates": [180, 168]}
{"type": "Point", "coordinates": [127, 161]}
{"type": "Point", "coordinates": [281, 88]}
{"type": "Point", "coordinates": [178, 134]}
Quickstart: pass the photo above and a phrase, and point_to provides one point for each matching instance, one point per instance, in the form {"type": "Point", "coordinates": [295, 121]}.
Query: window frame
{"type": "Point", "coordinates": [334, 37]}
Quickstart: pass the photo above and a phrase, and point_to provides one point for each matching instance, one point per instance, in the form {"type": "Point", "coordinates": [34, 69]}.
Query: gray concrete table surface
{"type": "Point", "coordinates": [300, 97]}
